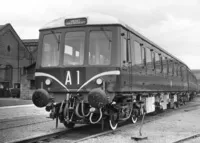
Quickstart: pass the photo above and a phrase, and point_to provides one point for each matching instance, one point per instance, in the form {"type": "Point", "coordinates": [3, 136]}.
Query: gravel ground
{"type": "Point", "coordinates": [27, 131]}
{"type": "Point", "coordinates": [27, 110]}
{"type": "Point", "coordinates": [171, 128]}
{"type": "Point", "coordinates": [22, 122]}
{"type": "Point", "coordinates": [13, 102]}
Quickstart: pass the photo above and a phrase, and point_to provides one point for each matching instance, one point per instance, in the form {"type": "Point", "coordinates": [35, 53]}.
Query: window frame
{"type": "Point", "coordinates": [63, 47]}
{"type": "Point", "coordinates": [111, 46]}
{"type": "Point", "coordinates": [59, 46]}
{"type": "Point", "coordinates": [153, 60]}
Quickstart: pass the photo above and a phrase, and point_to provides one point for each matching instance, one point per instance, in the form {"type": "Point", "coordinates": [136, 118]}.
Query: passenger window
{"type": "Point", "coordinates": [180, 71]}
{"type": "Point", "coordinates": [143, 55]}
{"type": "Point", "coordinates": [173, 73]}
{"type": "Point", "coordinates": [153, 59]}
{"type": "Point", "coordinates": [175, 68]}
{"type": "Point", "coordinates": [157, 63]}
{"type": "Point", "coordinates": [148, 58]}
{"type": "Point", "coordinates": [138, 53]}
{"type": "Point", "coordinates": [164, 63]}
{"type": "Point", "coordinates": [161, 64]}
{"type": "Point", "coordinates": [132, 52]}
{"type": "Point", "coordinates": [171, 67]}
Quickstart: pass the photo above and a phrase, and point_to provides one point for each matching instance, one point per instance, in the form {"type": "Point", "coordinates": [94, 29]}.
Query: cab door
{"type": "Point", "coordinates": [130, 55]}
{"type": "Point", "coordinates": [126, 69]}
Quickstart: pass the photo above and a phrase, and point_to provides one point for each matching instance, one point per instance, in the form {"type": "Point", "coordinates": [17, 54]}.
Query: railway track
{"type": "Point", "coordinates": [85, 132]}
{"type": "Point", "coordinates": [20, 122]}
{"type": "Point", "coordinates": [187, 139]}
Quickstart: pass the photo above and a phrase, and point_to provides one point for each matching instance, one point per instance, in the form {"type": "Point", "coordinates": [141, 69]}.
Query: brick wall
{"type": "Point", "coordinates": [9, 47]}
{"type": "Point", "coordinates": [26, 92]}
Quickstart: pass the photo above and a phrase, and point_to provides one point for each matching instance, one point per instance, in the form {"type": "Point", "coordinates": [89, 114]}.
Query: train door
{"type": "Point", "coordinates": [138, 64]}
{"type": "Point", "coordinates": [126, 71]}
{"type": "Point", "coordinates": [129, 58]}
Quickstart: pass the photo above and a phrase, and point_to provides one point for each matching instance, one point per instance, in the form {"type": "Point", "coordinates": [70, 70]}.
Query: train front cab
{"type": "Point", "coordinates": [78, 72]}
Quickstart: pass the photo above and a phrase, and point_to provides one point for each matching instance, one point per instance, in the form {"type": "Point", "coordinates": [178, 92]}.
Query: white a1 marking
{"type": "Point", "coordinates": [78, 77]}
{"type": "Point", "coordinates": [68, 78]}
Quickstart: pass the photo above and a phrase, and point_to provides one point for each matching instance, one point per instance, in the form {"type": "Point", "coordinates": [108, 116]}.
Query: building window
{"type": "Point", "coordinates": [32, 84]}
{"type": "Point", "coordinates": [8, 48]}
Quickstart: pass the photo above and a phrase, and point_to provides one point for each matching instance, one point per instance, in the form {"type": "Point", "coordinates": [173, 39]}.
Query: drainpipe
{"type": "Point", "coordinates": [18, 64]}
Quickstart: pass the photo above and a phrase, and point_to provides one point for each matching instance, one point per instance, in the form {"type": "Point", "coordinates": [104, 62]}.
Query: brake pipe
{"type": "Point", "coordinates": [66, 111]}
{"type": "Point", "coordinates": [61, 106]}
{"type": "Point", "coordinates": [100, 110]}
{"type": "Point", "coordinates": [82, 109]}
{"type": "Point", "coordinates": [76, 111]}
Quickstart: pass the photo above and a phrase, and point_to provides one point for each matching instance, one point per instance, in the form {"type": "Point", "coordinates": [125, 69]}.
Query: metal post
{"type": "Point", "coordinates": [18, 63]}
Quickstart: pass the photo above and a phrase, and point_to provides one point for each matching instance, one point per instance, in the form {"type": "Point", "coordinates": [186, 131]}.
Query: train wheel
{"type": "Point", "coordinates": [175, 105]}
{"type": "Point", "coordinates": [113, 121]}
{"type": "Point", "coordinates": [69, 125]}
{"type": "Point", "coordinates": [134, 116]}
{"type": "Point", "coordinates": [134, 119]}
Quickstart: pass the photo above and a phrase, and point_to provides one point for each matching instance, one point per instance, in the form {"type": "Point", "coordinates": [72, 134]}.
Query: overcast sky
{"type": "Point", "coordinates": [172, 24]}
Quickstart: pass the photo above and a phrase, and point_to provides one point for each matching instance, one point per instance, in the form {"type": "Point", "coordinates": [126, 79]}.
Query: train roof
{"type": "Point", "coordinates": [102, 19]}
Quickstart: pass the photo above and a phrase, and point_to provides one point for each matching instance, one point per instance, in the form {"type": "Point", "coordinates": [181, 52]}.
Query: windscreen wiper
{"type": "Point", "coordinates": [57, 38]}
{"type": "Point", "coordinates": [106, 35]}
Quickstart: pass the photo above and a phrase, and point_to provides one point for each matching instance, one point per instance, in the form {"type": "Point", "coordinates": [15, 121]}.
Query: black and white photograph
{"type": "Point", "coordinates": [100, 71]}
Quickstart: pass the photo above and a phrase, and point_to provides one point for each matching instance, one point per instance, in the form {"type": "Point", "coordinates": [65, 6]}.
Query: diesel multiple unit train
{"type": "Point", "coordinates": [96, 69]}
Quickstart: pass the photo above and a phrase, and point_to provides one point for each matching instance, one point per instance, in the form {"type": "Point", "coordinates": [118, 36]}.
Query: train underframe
{"type": "Point", "coordinates": [123, 107]}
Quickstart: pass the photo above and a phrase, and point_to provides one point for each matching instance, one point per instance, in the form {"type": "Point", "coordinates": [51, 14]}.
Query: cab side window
{"type": "Point", "coordinates": [124, 48]}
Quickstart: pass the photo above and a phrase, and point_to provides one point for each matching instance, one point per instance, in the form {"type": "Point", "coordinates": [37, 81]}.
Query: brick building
{"type": "Point", "coordinates": [28, 79]}
{"type": "Point", "coordinates": [14, 56]}
{"type": "Point", "coordinates": [28, 82]}
{"type": "Point", "coordinates": [31, 45]}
